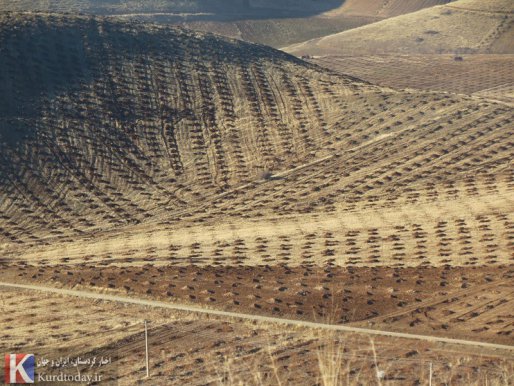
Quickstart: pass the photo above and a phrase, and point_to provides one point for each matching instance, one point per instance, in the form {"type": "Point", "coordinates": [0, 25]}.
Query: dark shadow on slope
{"type": "Point", "coordinates": [43, 57]}
{"type": "Point", "coordinates": [211, 10]}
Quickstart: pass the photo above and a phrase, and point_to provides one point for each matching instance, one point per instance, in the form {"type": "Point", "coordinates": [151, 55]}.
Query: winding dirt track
{"type": "Point", "coordinates": [256, 318]}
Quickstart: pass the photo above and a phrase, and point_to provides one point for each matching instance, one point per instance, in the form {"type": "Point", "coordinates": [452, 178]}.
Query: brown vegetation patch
{"type": "Point", "coordinates": [472, 302]}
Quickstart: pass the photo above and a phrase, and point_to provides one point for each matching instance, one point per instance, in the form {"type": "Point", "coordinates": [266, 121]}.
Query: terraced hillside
{"type": "Point", "coordinates": [92, 140]}
{"type": "Point", "coordinates": [464, 26]}
{"type": "Point", "coordinates": [164, 164]}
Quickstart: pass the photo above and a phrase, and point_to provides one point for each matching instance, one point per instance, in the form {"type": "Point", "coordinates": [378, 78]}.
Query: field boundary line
{"type": "Point", "coordinates": [251, 317]}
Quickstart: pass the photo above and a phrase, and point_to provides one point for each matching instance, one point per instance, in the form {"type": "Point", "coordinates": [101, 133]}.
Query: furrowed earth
{"type": "Point", "coordinates": [156, 163]}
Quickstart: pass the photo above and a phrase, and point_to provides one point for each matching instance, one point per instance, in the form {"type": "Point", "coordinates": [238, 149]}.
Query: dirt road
{"type": "Point", "coordinates": [256, 318]}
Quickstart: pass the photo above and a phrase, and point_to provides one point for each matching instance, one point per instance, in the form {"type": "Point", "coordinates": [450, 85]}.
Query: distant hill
{"type": "Point", "coordinates": [279, 32]}
{"type": "Point", "coordinates": [225, 8]}
{"type": "Point", "coordinates": [274, 23]}
{"type": "Point", "coordinates": [219, 9]}
{"type": "Point", "coordinates": [385, 8]}
{"type": "Point", "coordinates": [465, 26]}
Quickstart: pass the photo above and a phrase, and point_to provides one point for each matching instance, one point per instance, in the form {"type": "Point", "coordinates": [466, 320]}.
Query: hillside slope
{"type": "Point", "coordinates": [114, 119]}
{"type": "Point", "coordinates": [385, 8]}
{"type": "Point", "coordinates": [465, 26]}
{"type": "Point", "coordinates": [219, 9]}
{"type": "Point", "coordinates": [168, 164]}
{"type": "Point", "coordinates": [106, 123]}
{"type": "Point", "coordinates": [273, 23]}
{"type": "Point", "coordinates": [487, 75]}
{"type": "Point", "coordinates": [226, 8]}
{"type": "Point", "coordinates": [280, 32]}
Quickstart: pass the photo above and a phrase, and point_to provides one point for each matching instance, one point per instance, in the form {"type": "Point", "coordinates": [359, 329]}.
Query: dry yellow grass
{"type": "Point", "coordinates": [383, 9]}
{"type": "Point", "coordinates": [174, 165]}
{"type": "Point", "coordinates": [490, 76]}
{"type": "Point", "coordinates": [275, 24]}
{"type": "Point", "coordinates": [442, 228]}
{"type": "Point", "coordinates": [194, 350]}
{"type": "Point", "coordinates": [459, 27]}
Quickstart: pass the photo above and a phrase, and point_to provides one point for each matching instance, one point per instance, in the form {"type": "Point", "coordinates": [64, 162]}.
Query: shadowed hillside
{"type": "Point", "coordinates": [114, 119]}
{"type": "Point", "coordinates": [209, 9]}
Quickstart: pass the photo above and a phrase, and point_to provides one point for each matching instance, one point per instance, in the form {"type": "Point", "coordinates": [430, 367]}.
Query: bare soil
{"type": "Point", "coordinates": [470, 303]}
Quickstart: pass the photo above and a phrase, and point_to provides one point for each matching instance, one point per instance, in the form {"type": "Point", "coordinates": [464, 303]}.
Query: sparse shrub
{"type": "Point", "coordinates": [266, 175]}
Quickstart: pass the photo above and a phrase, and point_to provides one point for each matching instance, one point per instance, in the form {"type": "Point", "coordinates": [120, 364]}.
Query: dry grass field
{"type": "Point", "coordinates": [274, 23]}
{"type": "Point", "coordinates": [490, 76]}
{"type": "Point", "coordinates": [187, 349]}
{"type": "Point", "coordinates": [159, 163]}
{"type": "Point", "coordinates": [384, 8]}
{"type": "Point", "coordinates": [276, 32]}
{"type": "Point", "coordinates": [280, 32]}
{"type": "Point", "coordinates": [461, 27]}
